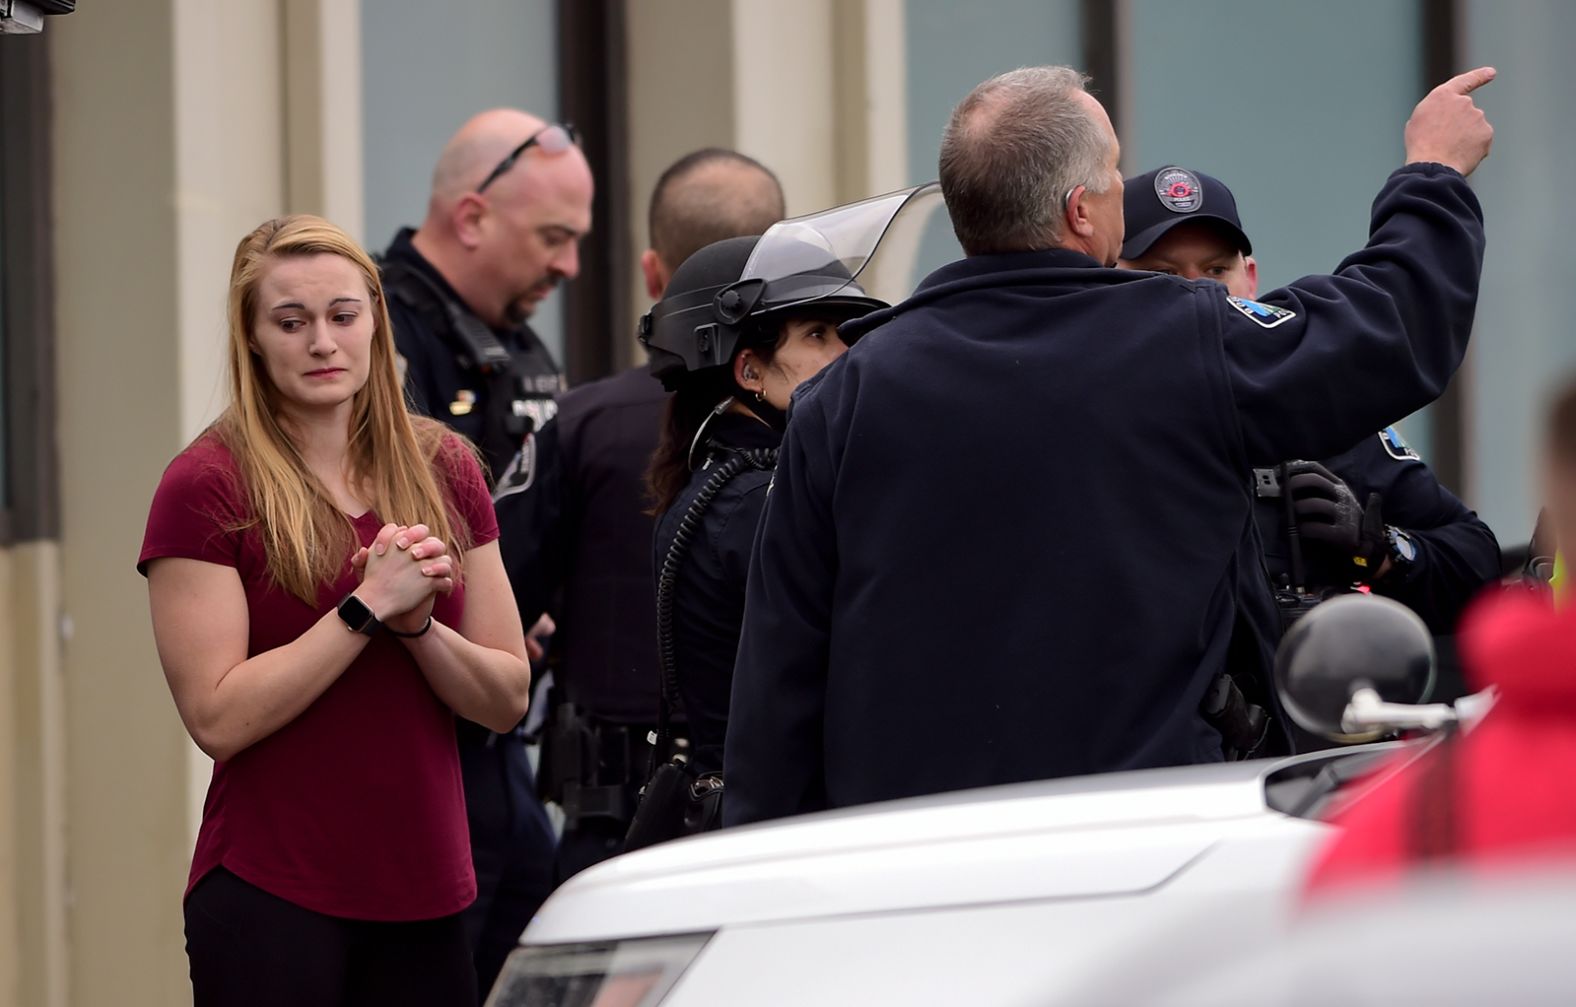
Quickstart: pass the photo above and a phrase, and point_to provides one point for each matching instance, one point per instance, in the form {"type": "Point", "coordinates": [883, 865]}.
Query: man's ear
{"type": "Point", "coordinates": [656, 273]}
{"type": "Point", "coordinates": [1253, 276]}
{"type": "Point", "coordinates": [1075, 217]}
{"type": "Point", "coordinates": [466, 219]}
{"type": "Point", "coordinates": [747, 371]}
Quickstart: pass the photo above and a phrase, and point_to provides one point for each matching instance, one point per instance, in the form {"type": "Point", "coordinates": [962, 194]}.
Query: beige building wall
{"type": "Point", "coordinates": [32, 778]}
{"type": "Point", "coordinates": [177, 126]}
{"type": "Point", "coordinates": [813, 89]}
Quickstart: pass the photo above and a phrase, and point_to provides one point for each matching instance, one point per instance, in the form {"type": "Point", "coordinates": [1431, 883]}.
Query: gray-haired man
{"type": "Point", "coordinates": [1010, 536]}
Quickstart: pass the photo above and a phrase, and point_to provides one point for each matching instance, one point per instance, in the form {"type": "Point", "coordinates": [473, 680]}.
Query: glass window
{"type": "Point", "coordinates": [1298, 108]}
{"type": "Point", "coordinates": [424, 73]}
{"type": "Point", "coordinates": [5, 398]}
{"type": "Point", "coordinates": [1523, 346]}
{"type": "Point", "coordinates": [951, 48]}
{"type": "Point", "coordinates": [27, 475]}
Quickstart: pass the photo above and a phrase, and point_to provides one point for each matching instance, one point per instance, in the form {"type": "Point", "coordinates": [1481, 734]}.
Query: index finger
{"type": "Point", "coordinates": [1466, 83]}
{"type": "Point", "coordinates": [380, 542]}
{"type": "Point", "coordinates": [413, 534]}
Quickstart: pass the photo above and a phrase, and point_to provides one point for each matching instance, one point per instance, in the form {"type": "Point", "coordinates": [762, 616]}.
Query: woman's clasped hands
{"type": "Point", "coordinates": [402, 573]}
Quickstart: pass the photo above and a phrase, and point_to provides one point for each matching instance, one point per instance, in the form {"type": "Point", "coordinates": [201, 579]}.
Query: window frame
{"type": "Point", "coordinates": [30, 509]}
{"type": "Point", "coordinates": [593, 83]}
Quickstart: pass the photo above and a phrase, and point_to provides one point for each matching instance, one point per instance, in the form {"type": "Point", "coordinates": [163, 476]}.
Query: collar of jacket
{"type": "Point", "coordinates": [403, 249]}
{"type": "Point", "coordinates": [1047, 266]}
{"type": "Point", "coordinates": [735, 431]}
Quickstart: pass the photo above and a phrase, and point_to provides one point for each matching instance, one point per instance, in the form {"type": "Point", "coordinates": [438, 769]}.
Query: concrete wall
{"type": "Point", "coordinates": [33, 964]}
{"type": "Point", "coordinates": [680, 61]}
{"type": "Point", "coordinates": [178, 125]}
{"type": "Point", "coordinates": [814, 90]}
{"type": "Point", "coordinates": [118, 242]}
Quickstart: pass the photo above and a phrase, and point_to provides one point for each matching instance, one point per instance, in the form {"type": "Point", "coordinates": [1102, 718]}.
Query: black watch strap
{"type": "Point", "coordinates": [411, 636]}
{"type": "Point", "coordinates": [356, 616]}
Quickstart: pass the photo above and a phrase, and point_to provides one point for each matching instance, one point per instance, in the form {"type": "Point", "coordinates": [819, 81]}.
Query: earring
{"type": "Point", "coordinates": [759, 397]}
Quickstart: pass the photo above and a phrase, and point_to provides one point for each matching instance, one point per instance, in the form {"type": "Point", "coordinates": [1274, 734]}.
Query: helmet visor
{"type": "Point", "coordinates": [878, 248]}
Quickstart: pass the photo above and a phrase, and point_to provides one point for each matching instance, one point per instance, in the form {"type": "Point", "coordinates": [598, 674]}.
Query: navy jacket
{"type": "Point", "coordinates": [1011, 531]}
{"type": "Point", "coordinates": [708, 605]}
{"type": "Point", "coordinates": [1457, 554]}
{"type": "Point", "coordinates": [606, 644]}
{"type": "Point", "coordinates": [437, 384]}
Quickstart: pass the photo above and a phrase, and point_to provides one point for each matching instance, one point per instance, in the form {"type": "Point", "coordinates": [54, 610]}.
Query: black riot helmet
{"type": "Point", "coordinates": [721, 299]}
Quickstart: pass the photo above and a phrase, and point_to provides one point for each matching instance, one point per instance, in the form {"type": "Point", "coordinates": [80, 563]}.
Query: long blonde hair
{"type": "Point", "coordinates": [390, 458]}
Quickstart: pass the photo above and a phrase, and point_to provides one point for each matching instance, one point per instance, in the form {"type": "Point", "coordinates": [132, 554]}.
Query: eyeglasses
{"type": "Point", "coordinates": [554, 139]}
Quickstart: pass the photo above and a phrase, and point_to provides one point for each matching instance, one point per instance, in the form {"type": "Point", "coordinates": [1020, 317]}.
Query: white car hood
{"type": "Point", "coordinates": [1107, 835]}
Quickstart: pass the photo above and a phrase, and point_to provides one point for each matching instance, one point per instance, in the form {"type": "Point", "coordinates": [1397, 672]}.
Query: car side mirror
{"type": "Point", "coordinates": [1356, 664]}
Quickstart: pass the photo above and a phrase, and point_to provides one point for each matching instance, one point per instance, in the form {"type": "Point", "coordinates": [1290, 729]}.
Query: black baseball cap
{"type": "Point", "coordinates": [1159, 200]}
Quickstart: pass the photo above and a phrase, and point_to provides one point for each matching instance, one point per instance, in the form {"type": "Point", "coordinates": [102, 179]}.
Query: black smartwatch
{"type": "Point", "coordinates": [357, 616]}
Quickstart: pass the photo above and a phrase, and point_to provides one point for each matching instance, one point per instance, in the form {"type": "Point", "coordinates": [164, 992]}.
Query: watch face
{"type": "Point", "coordinates": [1403, 546]}
{"type": "Point", "coordinates": [357, 615]}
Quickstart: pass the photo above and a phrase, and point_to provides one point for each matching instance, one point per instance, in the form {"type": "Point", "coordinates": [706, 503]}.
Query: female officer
{"type": "Point", "coordinates": [332, 862]}
{"type": "Point", "coordinates": [732, 348]}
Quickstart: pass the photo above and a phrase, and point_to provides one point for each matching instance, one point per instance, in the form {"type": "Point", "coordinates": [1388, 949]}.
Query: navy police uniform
{"type": "Point", "coordinates": [1442, 555]}
{"type": "Point", "coordinates": [506, 409]}
{"type": "Point", "coordinates": [606, 640]}
{"type": "Point", "coordinates": [1011, 531]}
{"type": "Point", "coordinates": [708, 598]}
{"type": "Point", "coordinates": [604, 651]}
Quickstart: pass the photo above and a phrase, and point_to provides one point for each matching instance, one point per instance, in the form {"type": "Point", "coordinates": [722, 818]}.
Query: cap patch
{"type": "Point", "coordinates": [1267, 315]}
{"type": "Point", "coordinates": [1179, 190]}
{"type": "Point", "coordinates": [1396, 446]}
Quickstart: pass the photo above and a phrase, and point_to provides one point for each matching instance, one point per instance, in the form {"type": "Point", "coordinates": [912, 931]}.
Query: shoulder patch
{"type": "Point", "coordinates": [1396, 446]}
{"type": "Point", "coordinates": [1267, 315]}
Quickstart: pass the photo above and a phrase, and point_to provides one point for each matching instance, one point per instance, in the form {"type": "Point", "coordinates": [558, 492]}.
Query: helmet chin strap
{"type": "Point", "coordinates": [760, 409]}
{"type": "Point", "coordinates": [700, 431]}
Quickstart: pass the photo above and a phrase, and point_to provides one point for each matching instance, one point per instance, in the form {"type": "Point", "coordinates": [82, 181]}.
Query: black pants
{"type": "Point", "coordinates": [512, 846]}
{"type": "Point", "coordinates": [247, 947]}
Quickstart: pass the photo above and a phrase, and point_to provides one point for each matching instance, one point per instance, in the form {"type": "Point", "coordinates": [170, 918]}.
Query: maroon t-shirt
{"type": "Point", "coordinates": [355, 808]}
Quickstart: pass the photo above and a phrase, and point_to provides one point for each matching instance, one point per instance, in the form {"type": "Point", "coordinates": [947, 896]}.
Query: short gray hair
{"type": "Point", "coordinates": [1012, 150]}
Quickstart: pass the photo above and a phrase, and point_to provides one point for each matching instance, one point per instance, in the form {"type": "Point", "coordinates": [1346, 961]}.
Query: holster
{"type": "Point", "coordinates": [591, 768]}
{"type": "Point", "coordinates": [1244, 726]}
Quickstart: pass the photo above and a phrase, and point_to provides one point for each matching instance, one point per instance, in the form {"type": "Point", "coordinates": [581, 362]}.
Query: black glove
{"type": "Point", "coordinates": [1329, 517]}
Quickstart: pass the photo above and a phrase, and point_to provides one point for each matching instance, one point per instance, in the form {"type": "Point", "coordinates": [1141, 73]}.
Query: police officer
{"type": "Point", "coordinates": [1373, 514]}
{"type": "Point", "coordinates": [732, 349]}
{"type": "Point", "coordinates": [605, 653]}
{"type": "Point", "coordinates": [1011, 532]}
{"type": "Point", "coordinates": [511, 199]}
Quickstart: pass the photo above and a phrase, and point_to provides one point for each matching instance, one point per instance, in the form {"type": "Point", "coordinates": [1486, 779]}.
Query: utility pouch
{"type": "Point", "coordinates": [675, 802]}
{"type": "Point", "coordinates": [568, 752]}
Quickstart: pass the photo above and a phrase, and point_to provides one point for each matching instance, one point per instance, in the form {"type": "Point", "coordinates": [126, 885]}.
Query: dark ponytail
{"type": "Point", "coordinates": [687, 409]}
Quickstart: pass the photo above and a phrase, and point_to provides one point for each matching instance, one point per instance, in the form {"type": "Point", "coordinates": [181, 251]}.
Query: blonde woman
{"type": "Point", "coordinates": [326, 593]}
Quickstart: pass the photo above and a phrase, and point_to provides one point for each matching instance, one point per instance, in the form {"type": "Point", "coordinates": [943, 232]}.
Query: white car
{"type": "Point", "coordinates": [1158, 886]}
{"type": "Point", "coordinates": [1092, 890]}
